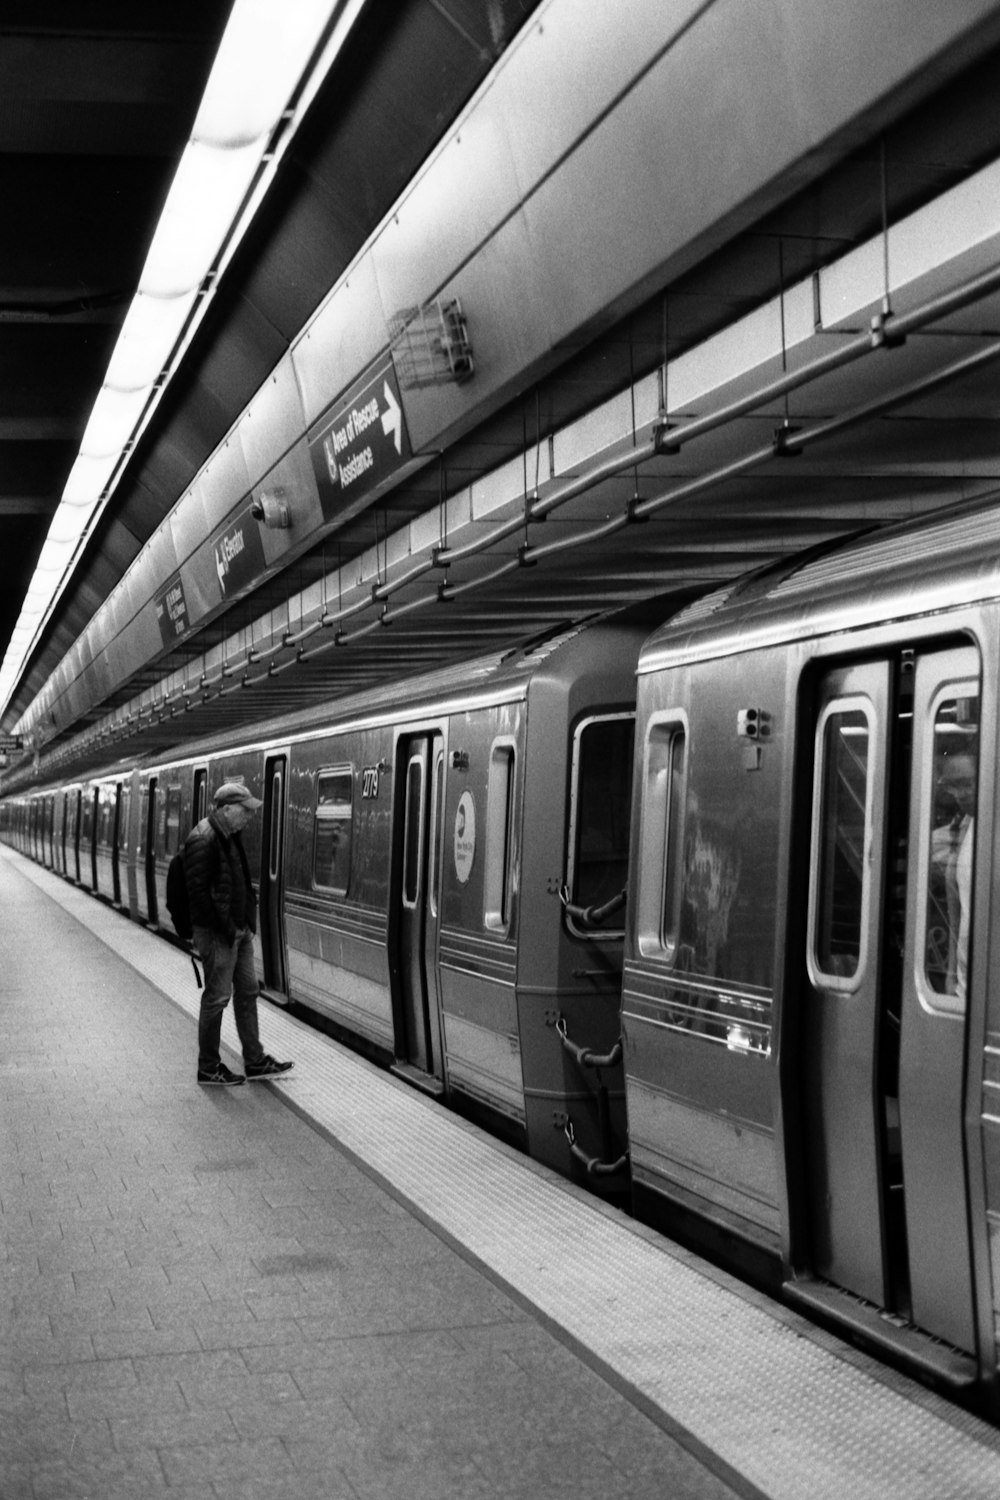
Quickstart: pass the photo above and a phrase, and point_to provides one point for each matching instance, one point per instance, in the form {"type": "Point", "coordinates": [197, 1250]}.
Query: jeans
{"type": "Point", "coordinates": [229, 970]}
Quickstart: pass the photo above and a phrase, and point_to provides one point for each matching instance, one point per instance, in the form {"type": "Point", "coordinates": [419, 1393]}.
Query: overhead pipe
{"type": "Point", "coordinates": [887, 331]}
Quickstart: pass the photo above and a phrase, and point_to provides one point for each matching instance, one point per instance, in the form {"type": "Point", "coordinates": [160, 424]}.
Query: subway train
{"type": "Point", "coordinates": [701, 916]}
{"type": "Point", "coordinates": [414, 893]}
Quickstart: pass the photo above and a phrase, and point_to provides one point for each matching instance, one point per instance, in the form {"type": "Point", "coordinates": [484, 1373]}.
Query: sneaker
{"type": "Point", "coordinates": [266, 1068]}
{"type": "Point", "coordinates": [220, 1075]}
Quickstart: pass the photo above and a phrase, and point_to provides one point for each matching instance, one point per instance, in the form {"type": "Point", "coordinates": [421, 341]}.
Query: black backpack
{"type": "Point", "coordinates": [179, 907]}
{"type": "Point", "coordinates": [177, 898]}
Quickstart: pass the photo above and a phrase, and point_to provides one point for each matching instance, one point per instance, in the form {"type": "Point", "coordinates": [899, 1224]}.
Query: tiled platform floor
{"type": "Point", "coordinates": [201, 1297]}
{"type": "Point", "coordinates": [204, 1297]}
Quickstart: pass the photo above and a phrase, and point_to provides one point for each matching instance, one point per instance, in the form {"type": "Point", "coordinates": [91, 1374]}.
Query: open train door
{"type": "Point", "coordinates": [416, 887]}
{"type": "Point", "coordinates": [272, 863]}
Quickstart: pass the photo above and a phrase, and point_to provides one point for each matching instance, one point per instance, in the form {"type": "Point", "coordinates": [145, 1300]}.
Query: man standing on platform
{"type": "Point", "coordinates": [223, 906]}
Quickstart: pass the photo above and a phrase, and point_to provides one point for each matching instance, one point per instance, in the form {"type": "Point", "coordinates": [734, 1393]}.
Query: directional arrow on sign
{"type": "Point", "coordinates": [392, 417]}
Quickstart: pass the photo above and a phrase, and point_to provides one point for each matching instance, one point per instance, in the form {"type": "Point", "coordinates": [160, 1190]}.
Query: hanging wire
{"type": "Point", "coordinates": [886, 302]}
{"type": "Point", "coordinates": [937, 308]}
{"type": "Point", "coordinates": [524, 467]}
{"type": "Point", "coordinates": [781, 305]}
{"type": "Point", "coordinates": [631, 384]}
{"type": "Point", "coordinates": [443, 502]}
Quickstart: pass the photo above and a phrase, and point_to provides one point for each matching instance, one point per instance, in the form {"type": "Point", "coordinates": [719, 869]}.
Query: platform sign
{"type": "Point", "coordinates": [172, 611]}
{"type": "Point", "coordinates": [239, 554]}
{"type": "Point", "coordinates": [10, 744]}
{"type": "Point", "coordinates": [360, 442]}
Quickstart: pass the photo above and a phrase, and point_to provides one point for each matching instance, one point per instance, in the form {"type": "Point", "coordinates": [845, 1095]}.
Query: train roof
{"type": "Point", "coordinates": [911, 568]}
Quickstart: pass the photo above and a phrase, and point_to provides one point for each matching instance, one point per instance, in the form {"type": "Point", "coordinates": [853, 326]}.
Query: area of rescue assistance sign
{"type": "Point", "coordinates": [362, 440]}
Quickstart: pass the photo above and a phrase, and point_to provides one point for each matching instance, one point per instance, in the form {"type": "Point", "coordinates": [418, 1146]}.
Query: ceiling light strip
{"type": "Point", "coordinates": [269, 66]}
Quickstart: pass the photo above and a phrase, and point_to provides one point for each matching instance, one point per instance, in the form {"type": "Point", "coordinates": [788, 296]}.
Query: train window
{"type": "Point", "coordinates": [660, 872]}
{"type": "Point", "coordinates": [413, 829]}
{"type": "Point", "coordinates": [106, 817]}
{"type": "Point", "coordinates": [200, 796]}
{"type": "Point", "coordinates": [332, 838]}
{"type": "Point", "coordinates": [952, 811]}
{"type": "Point", "coordinates": [499, 834]}
{"type": "Point", "coordinates": [600, 811]}
{"type": "Point", "coordinates": [839, 909]}
{"type": "Point", "coordinates": [123, 812]}
{"type": "Point", "coordinates": [437, 798]}
{"type": "Point", "coordinates": [87, 805]}
{"type": "Point", "coordinates": [172, 821]}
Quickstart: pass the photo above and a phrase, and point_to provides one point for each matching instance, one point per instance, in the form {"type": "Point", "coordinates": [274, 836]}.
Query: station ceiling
{"type": "Point", "coordinates": [93, 119]}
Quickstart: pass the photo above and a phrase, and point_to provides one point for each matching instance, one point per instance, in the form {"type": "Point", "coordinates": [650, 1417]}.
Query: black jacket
{"type": "Point", "coordinates": [220, 892]}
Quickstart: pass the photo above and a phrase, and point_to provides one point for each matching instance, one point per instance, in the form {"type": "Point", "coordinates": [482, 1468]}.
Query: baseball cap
{"type": "Point", "coordinates": [231, 792]}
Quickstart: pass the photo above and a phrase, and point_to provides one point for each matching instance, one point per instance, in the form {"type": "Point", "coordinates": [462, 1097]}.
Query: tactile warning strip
{"type": "Point", "coordinates": [758, 1387]}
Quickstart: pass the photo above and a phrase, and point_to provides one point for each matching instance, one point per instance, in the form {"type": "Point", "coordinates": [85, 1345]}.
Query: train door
{"type": "Point", "coordinates": [147, 852]}
{"type": "Point", "coordinates": [116, 841]}
{"type": "Point", "coordinates": [420, 790]}
{"type": "Point", "coordinates": [944, 789]}
{"type": "Point", "coordinates": [62, 823]}
{"type": "Point", "coordinates": [272, 854]}
{"type": "Point", "coordinates": [199, 796]}
{"type": "Point", "coordinates": [882, 1039]}
{"type": "Point", "coordinates": [73, 835]}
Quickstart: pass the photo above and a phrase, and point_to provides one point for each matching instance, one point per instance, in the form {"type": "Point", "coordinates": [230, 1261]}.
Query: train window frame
{"type": "Point", "coordinates": [124, 819]}
{"type": "Point", "coordinates": [414, 821]}
{"type": "Point", "coordinates": [104, 835]}
{"type": "Point", "coordinates": [573, 831]}
{"type": "Point", "coordinates": [935, 1002]}
{"type": "Point", "coordinates": [499, 861]}
{"type": "Point", "coordinates": [172, 805]}
{"type": "Point", "coordinates": [437, 791]}
{"type": "Point", "coordinates": [321, 816]}
{"type": "Point", "coordinates": [662, 819]}
{"type": "Point", "coordinates": [821, 978]}
{"type": "Point", "coordinates": [88, 815]}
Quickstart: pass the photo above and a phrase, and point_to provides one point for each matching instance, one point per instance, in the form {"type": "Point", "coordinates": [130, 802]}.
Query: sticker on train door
{"type": "Point", "coordinates": [465, 837]}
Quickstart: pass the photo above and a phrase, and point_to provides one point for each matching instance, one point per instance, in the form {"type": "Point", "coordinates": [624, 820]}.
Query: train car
{"type": "Point", "coordinates": [441, 869]}
{"type": "Point", "coordinates": [797, 1067]}
{"type": "Point", "coordinates": [811, 1027]}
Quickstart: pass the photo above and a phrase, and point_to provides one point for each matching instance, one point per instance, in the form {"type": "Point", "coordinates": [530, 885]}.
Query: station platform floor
{"type": "Point", "coordinates": [332, 1287]}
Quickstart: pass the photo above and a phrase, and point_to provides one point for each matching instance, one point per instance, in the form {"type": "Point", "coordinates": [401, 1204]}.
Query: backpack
{"type": "Point", "coordinates": [178, 906]}
{"type": "Point", "coordinates": [177, 898]}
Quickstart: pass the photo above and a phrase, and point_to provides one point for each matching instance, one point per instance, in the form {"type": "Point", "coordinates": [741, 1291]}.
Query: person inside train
{"type": "Point", "coordinates": [952, 846]}
{"type": "Point", "coordinates": [223, 906]}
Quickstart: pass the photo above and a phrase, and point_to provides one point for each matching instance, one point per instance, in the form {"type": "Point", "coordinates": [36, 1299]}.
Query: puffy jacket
{"type": "Point", "coordinates": [220, 892]}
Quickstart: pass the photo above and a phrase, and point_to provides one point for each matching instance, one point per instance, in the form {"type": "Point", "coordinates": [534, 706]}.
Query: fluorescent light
{"type": "Point", "coordinates": [268, 63]}
{"type": "Point", "coordinates": [115, 416]}
{"type": "Point", "coordinates": [147, 338]}
{"type": "Point", "coordinates": [205, 198]}
{"type": "Point", "coordinates": [87, 478]}
{"type": "Point", "coordinates": [54, 556]}
{"type": "Point", "coordinates": [264, 54]}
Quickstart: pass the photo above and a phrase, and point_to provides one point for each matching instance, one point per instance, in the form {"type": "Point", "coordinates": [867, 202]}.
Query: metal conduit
{"type": "Point", "coordinates": [920, 387]}
{"type": "Point", "coordinates": [443, 557]}
{"type": "Point", "coordinates": [887, 331]}
{"type": "Point", "coordinates": [824, 429]}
